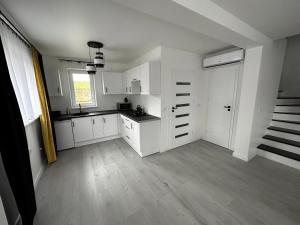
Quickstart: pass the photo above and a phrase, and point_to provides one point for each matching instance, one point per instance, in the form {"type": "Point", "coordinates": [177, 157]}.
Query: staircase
{"type": "Point", "coordinates": [281, 141]}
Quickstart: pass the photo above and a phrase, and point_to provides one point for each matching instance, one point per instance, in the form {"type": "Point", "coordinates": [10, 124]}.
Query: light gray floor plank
{"type": "Point", "coordinates": [199, 183]}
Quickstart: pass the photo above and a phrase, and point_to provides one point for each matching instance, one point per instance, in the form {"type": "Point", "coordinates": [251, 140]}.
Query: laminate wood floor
{"type": "Point", "coordinates": [199, 183]}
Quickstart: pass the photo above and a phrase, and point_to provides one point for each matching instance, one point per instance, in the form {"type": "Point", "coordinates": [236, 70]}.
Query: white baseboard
{"type": "Point", "coordinates": [39, 175]}
{"type": "Point", "coordinates": [280, 159]}
{"type": "Point", "coordinates": [79, 144]}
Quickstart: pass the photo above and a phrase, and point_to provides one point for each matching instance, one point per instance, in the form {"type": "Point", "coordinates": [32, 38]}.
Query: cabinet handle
{"type": "Point", "coordinates": [130, 89]}
{"type": "Point", "coordinates": [126, 89]}
{"type": "Point", "coordinates": [104, 121]}
{"type": "Point", "coordinates": [106, 89]}
{"type": "Point", "coordinates": [58, 90]}
{"type": "Point", "coordinates": [127, 127]}
{"type": "Point", "coordinates": [73, 124]}
{"type": "Point", "coordinates": [127, 137]}
{"type": "Point", "coordinates": [93, 121]}
{"type": "Point", "coordinates": [140, 88]}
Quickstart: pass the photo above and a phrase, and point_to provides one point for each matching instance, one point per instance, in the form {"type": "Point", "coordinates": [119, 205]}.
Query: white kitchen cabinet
{"type": "Point", "coordinates": [64, 134]}
{"type": "Point", "coordinates": [126, 82]}
{"type": "Point", "coordinates": [82, 129]}
{"type": "Point", "coordinates": [110, 125]}
{"type": "Point", "coordinates": [150, 78]}
{"type": "Point", "coordinates": [143, 137]}
{"type": "Point", "coordinates": [112, 83]}
{"type": "Point", "coordinates": [130, 76]}
{"type": "Point", "coordinates": [97, 122]}
{"type": "Point", "coordinates": [105, 126]}
{"type": "Point", "coordinates": [53, 81]}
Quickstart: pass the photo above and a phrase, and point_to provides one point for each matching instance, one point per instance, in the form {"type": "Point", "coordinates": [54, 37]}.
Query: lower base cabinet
{"type": "Point", "coordinates": [64, 134]}
{"type": "Point", "coordinates": [142, 137]}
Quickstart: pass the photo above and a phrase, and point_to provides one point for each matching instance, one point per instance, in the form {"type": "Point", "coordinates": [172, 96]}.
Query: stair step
{"type": "Point", "coordinates": [288, 98]}
{"type": "Point", "coordinates": [289, 113]}
{"type": "Point", "coordinates": [287, 121]}
{"type": "Point", "coordinates": [293, 105]}
{"type": "Point", "coordinates": [278, 151]}
{"type": "Point", "coordinates": [282, 140]}
{"type": "Point", "coordinates": [285, 130]}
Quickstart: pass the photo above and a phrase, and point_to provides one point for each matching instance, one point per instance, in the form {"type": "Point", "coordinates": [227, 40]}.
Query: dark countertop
{"type": "Point", "coordinates": [128, 114]}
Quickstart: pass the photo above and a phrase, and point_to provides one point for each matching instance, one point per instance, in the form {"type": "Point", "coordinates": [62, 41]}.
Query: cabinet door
{"type": "Point", "coordinates": [112, 83]}
{"type": "Point", "coordinates": [125, 82]}
{"type": "Point", "coordinates": [97, 122]}
{"type": "Point", "coordinates": [53, 82]}
{"type": "Point", "coordinates": [110, 125]}
{"type": "Point", "coordinates": [145, 82]}
{"type": "Point", "coordinates": [64, 134]}
{"type": "Point", "coordinates": [82, 129]}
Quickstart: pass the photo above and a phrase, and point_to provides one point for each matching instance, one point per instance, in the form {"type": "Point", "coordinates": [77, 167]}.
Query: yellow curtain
{"type": "Point", "coordinates": [45, 117]}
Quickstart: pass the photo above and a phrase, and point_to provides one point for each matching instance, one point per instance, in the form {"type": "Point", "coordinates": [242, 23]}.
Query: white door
{"type": "Point", "coordinates": [64, 134]}
{"type": "Point", "coordinates": [97, 122]}
{"type": "Point", "coordinates": [182, 104]}
{"type": "Point", "coordinates": [110, 125]}
{"type": "Point", "coordinates": [221, 94]}
{"type": "Point", "coordinates": [82, 129]}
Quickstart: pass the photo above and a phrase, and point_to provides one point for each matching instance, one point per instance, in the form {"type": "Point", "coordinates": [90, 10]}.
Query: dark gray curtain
{"type": "Point", "coordinates": [8, 199]}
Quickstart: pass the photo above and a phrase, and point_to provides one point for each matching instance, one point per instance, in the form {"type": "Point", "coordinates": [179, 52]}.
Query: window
{"type": "Point", "coordinates": [82, 86]}
{"type": "Point", "coordinates": [19, 61]}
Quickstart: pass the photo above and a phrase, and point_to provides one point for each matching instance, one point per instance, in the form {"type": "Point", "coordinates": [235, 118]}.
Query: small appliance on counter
{"type": "Point", "coordinates": [124, 106]}
{"type": "Point", "coordinates": [138, 112]}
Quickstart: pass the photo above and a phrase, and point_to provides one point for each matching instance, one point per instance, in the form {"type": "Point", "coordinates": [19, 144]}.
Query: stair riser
{"type": "Point", "coordinates": [293, 137]}
{"type": "Point", "coordinates": [287, 109]}
{"type": "Point", "coordinates": [286, 125]}
{"type": "Point", "coordinates": [287, 101]}
{"type": "Point", "coordinates": [286, 117]}
{"type": "Point", "coordinates": [280, 159]}
{"type": "Point", "coordinates": [282, 146]}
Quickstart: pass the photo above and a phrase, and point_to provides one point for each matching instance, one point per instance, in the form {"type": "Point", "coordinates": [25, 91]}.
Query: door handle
{"type": "Point", "coordinates": [228, 107]}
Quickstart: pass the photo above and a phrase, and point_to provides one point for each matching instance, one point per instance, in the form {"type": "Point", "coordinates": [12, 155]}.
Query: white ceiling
{"type": "Point", "coordinates": [62, 28]}
{"type": "Point", "coordinates": [275, 18]}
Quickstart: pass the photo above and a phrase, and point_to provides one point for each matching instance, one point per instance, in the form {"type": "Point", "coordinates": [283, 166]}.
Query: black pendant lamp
{"type": "Point", "coordinates": [98, 60]}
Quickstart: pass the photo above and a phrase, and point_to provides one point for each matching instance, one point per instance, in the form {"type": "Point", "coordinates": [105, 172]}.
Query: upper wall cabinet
{"type": "Point", "coordinates": [53, 81]}
{"type": "Point", "coordinates": [112, 83]}
{"type": "Point", "coordinates": [150, 78]}
{"type": "Point", "coordinates": [146, 76]}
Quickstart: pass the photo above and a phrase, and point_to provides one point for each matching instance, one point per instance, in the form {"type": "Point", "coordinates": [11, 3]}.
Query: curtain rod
{"type": "Point", "coordinates": [4, 19]}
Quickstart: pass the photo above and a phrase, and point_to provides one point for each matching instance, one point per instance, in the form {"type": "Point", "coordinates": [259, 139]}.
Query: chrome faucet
{"type": "Point", "coordinates": [80, 109]}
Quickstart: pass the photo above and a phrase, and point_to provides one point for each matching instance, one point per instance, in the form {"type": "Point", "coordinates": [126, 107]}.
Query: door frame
{"type": "Point", "coordinates": [235, 103]}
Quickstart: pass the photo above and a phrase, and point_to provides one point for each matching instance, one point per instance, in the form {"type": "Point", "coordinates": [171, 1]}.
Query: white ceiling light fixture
{"type": "Point", "coordinates": [98, 60]}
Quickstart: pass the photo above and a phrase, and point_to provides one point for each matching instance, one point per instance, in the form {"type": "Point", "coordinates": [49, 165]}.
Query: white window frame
{"type": "Point", "coordinates": [72, 91]}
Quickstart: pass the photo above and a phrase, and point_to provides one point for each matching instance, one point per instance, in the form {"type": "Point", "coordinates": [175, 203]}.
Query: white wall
{"type": "Point", "coordinates": [172, 60]}
{"type": "Point", "coordinates": [260, 82]}
{"type": "Point", "coordinates": [290, 79]}
{"type": "Point", "coordinates": [60, 103]}
{"type": "Point", "coordinates": [36, 151]}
